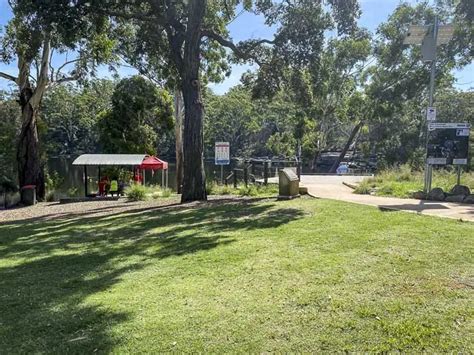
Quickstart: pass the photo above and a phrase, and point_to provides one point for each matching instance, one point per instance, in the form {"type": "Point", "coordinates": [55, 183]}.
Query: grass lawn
{"type": "Point", "coordinates": [256, 276]}
{"type": "Point", "coordinates": [403, 182]}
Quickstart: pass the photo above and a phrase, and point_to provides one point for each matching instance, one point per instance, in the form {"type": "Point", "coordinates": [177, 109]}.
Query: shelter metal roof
{"type": "Point", "coordinates": [110, 159]}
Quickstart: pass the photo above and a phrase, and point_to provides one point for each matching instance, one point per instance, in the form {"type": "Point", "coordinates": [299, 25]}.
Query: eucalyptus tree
{"type": "Point", "coordinates": [397, 85]}
{"type": "Point", "coordinates": [37, 33]}
{"type": "Point", "coordinates": [188, 42]}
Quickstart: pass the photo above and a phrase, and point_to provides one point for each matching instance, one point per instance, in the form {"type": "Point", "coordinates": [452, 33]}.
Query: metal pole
{"type": "Point", "coordinates": [428, 167]}
{"type": "Point", "coordinates": [459, 175]}
{"type": "Point", "coordinates": [222, 174]}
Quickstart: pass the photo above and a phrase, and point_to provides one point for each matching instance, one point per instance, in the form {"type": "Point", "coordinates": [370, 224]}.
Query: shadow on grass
{"type": "Point", "coordinates": [50, 267]}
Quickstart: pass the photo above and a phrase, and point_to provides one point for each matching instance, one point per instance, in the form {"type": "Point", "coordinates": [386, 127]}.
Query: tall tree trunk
{"type": "Point", "coordinates": [28, 155]}
{"type": "Point", "coordinates": [179, 115]}
{"type": "Point", "coordinates": [353, 134]}
{"type": "Point", "coordinates": [194, 181]}
{"type": "Point", "coordinates": [30, 169]}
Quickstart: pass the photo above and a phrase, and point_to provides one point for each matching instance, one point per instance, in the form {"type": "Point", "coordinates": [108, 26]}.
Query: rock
{"type": "Point", "coordinates": [419, 195]}
{"type": "Point", "coordinates": [455, 198]}
{"type": "Point", "coordinates": [303, 190]}
{"type": "Point", "coordinates": [437, 194]}
{"type": "Point", "coordinates": [469, 199]}
{"type": "Point", "coordinates": [460, 190]}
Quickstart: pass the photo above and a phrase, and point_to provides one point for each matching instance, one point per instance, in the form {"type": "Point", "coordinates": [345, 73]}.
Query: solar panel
{"type": "Point", "coordinates": [445, 33]}
{"type": "Point", "coordinates": [416, 34]}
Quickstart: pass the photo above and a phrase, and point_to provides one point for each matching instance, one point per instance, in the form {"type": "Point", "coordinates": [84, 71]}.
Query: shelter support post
{"type": "Point", "coordinates": [85, 181]}
{"type": "Point", "coordinates": [162, 178]}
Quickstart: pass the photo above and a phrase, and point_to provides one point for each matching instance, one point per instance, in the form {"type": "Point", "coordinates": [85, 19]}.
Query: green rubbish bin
{"type": "Point", "coordinates": [28, 195]}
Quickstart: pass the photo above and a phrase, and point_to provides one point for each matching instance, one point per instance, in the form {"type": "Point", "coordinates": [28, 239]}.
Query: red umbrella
{"type": "Point", "coordinates": [153, 163]}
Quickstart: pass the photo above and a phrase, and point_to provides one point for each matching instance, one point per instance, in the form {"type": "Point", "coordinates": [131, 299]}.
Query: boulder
{"type": "Point", "coordinates": [460, 190]}
{"type": "Point", "coordinates": [419, 195]}
{"type": "Point", "coordinates": [437, 194]}
{"type": "Point", "coordinates": [455, 198]}
{"type": "Point", "coordinates": [469, 199]}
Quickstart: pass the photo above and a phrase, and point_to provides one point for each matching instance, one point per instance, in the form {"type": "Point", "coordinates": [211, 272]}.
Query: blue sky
{"type": "Point", "coordinates": [249, 26]}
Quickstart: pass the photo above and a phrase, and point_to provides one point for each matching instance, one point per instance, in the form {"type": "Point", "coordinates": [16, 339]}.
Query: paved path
{"type": "Point", "coordinates": [332, 187]}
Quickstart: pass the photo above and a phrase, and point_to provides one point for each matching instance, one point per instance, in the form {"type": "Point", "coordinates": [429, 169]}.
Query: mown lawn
{"type": "Point", "coordinates": [259, 276]}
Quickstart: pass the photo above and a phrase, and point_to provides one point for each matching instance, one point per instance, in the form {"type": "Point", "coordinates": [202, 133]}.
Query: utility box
{"type": "Point", "coordinates": [28, 195]}
{"type": "Point", "coordinates": [289, 184]}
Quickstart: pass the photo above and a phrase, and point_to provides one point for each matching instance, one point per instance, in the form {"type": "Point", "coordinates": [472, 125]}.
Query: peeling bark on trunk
{"type": "Point", "coordinates": [30, 169]}
{"type": "Point", "coordinates": [28, 156]}
{"type": "Point", "coordinates": [353, 134]}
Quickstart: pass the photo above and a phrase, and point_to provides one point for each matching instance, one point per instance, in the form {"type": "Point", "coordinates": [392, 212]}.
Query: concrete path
{"type": "Point", "coordinates": [332, 187]}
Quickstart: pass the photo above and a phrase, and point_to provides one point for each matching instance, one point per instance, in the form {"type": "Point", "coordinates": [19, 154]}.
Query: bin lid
{"type": "Point", "coordinates": [28, 187]}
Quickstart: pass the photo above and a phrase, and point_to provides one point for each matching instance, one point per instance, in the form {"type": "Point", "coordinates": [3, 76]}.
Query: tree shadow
{"type": "Point", "coordinates": [50, 267]}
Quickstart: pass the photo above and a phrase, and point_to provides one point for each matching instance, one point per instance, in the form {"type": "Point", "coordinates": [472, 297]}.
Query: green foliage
{"type": "Point", "coordinates": [51, 196]}
{"type": "Point", "coordinates": [402, 181]}
{"type": "Point", "coordinates": [136, 192]}
{"type": "Point", "coordinates": [253, 127]}
{"type": "Point", "coordinates": [140, 113]}
{"type": "Point", "coordinates": [53, 180]}
{"type": "Point", "coordinates": [70, 114]}
{"type": "Point", "coordinates": [270, 190]}
{"type": "Point", "coordinates": [9, 128]}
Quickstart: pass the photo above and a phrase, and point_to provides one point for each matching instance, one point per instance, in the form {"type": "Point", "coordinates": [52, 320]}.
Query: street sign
{"type": "Point", "coordinates": [222, 153]}
{"type": "Point", "coordinates": [448, 143]}
{"type": "Point", "coordinates": [431, 114]}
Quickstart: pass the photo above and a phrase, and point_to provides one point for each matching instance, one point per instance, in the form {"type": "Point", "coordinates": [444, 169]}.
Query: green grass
{"type": "Point", "coordinates": [403, 182]}
{"type": "Point", "coordinates": [255, 276]}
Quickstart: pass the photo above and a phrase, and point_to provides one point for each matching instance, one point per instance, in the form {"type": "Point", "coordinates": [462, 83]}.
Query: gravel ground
{"type": "Point", "coordinates": [46, 211]}
{"type": "Point", "coordinates": [53, 210]}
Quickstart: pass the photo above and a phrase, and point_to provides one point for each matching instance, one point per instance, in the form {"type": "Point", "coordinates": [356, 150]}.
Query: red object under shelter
{"type": "Point", "coordinates": [153, 163]}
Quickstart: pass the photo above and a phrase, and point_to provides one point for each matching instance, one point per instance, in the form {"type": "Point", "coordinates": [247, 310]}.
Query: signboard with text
{"type": "Point", "coordinates": [222, 153]}
{"type": "Point", "coordinates": [448, 143]}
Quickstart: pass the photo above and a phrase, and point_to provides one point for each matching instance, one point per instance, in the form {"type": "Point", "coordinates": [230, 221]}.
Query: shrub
{"type": "Point", "coordinates": [72, 192]}
{"type": "Point", "coordinates": [364, 187]}
{"type": "Point", "coordinates": [211, 187]}
{"type": "Point", "coordinates": [136, 192]}
{"type": "Point", "coordinates": [51, 196]}
{"type": "Point", "coordinates": [159, 192]}
{"type": "Point", "coordinates": [250, 190]}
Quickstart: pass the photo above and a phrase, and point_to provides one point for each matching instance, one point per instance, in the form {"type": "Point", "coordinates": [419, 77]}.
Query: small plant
{"type": "Point", "coordinates": [136, 192]}
{"type": "Point", "coordinates": [51, 196]}
{"type": "Point", "coordinates": [72, 192]}
{"type": "Point", "coordinates": [211, 188]}
{"type": "Point", "coordinates": [364, 188]}
{"type": "Point", "coordinates": [250, 190]}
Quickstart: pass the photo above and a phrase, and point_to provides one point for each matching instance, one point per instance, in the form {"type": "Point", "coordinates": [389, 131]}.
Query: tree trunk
{"type": "Point", "coordinates": [28, 155]}
{"type": "Point", "coordinates": [179, 114]}
{"type": "Point", "coordinates": [353, 134]}
{"type": "Point", "coordinates": [194, 181]}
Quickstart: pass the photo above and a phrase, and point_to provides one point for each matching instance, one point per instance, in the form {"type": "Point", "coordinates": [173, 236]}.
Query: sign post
{"type": "Point", "coordinates": [429, 37]}
{"type": "Point", "coordinates": [448, 144]}
{"type": "Point", "coordinates": [222, 156]}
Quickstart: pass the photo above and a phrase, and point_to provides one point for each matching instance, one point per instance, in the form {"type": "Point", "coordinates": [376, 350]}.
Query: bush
{"type": "Point", "coordinates": [51, 196]}
{"type": "Point", "coordinates": [159, 192]}
{"type": "Point", "coordinates": [72, 192]}
{"type": "Point", "coordinates": [250, 190]}
{"type": "Point", "coordinates": [364, 188]}
{"type": "Point", "coordinates": [136, 192]}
